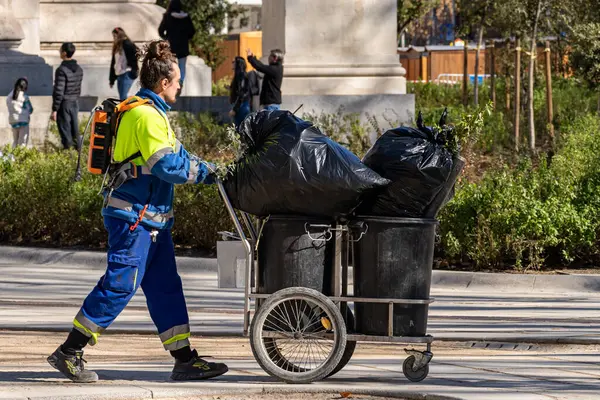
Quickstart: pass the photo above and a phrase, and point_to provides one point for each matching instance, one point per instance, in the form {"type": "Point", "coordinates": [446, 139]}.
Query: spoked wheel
{"type": "Point", "coordinates": [298, 335]}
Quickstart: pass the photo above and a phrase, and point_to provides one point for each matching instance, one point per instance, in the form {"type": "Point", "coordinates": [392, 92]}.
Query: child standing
{"type": "Point", "coordinates": [19, 112]}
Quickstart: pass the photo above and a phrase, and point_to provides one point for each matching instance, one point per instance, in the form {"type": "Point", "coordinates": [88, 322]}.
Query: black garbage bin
{"type": "Point", "coordinates": [295, 251]}
{"type": "Point", "coordinates": [393, 259]}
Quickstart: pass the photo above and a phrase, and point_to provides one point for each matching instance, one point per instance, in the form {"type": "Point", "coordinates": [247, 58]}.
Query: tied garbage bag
{"type": "Point", "coordinates": [420, 167]}
{"type": "Point", "coordinates": [289, 167]}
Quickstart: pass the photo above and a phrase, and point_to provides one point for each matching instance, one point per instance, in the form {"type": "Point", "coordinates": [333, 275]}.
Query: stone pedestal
{"type": "Point", "coordinates": [27, 13]}
{"type": "Point", "coordinates": [14, 63]}
{"type": "Point", "coordinates": [335, 47]}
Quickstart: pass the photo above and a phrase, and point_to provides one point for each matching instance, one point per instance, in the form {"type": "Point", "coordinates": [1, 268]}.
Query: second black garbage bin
{"type": "Point", "coordinates": [295, 251]}
{"type": "Point", "coordinates": [393, 259]}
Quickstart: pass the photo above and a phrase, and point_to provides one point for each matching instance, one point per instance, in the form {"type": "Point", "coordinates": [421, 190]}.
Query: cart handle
{"type": "Point", "coordinates": [326, 232]}
{"type": "Point", "coordinates": [363, 232]}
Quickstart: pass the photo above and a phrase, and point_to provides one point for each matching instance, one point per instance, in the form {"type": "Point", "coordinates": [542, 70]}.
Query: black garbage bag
{"type": "Point", "coordinates": [290, 167]}
{"type": "Point", "coordinates": [418, 163]}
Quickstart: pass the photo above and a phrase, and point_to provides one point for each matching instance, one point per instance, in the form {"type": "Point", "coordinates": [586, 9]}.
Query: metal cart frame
{"type": "Point", "coordinates": [415, 367]}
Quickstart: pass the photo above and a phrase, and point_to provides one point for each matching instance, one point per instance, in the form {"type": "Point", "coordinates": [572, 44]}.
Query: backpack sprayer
{"type": "Point", "coordinates": [104, 121]}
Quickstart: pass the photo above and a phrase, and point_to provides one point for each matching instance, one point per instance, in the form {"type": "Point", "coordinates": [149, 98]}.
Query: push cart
{"type": "Point", "coordinates": [300, 335]}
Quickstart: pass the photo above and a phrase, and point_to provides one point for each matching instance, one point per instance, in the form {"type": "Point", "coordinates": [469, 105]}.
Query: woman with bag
{"type": "Point", "coordinates": [123, 66]}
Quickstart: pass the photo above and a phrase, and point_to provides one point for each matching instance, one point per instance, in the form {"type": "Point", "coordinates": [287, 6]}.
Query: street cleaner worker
{"type": "Point", "coordinates": [138, 216]}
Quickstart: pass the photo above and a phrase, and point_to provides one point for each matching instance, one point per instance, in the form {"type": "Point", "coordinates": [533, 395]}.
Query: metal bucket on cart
{"type": "Point", "coordinates": [393, 259]}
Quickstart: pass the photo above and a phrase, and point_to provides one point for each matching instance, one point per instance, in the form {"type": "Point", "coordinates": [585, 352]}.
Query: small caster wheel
{"type": "Point", "coordinates": [410, 374]}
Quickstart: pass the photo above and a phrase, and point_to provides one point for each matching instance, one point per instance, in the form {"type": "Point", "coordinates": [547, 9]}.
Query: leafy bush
{"type": "Point", "coordinates": [346, 129]}
{"type": "Point", "coordinates": [221, 87]}
{"type": "Point", "coordinates": [532, 215]}
{"type": "Point", "coordinates": [41, 203]}
{"type": "Point", "coordinates": [509, 209]}
{"type": "Point", "coordinates": [202, 134]}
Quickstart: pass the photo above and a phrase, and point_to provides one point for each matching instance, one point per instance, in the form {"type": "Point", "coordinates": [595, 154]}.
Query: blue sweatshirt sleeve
{"type": "Point", "coordinates": [180, 167]}
{"type": "Point", "coordinates": [171, 165]}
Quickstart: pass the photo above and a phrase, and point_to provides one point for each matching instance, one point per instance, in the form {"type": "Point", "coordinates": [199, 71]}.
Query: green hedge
{"type": "Point", "coordinates": [510, 210]}
{"type": "Point", "coordinates": [42, 204]}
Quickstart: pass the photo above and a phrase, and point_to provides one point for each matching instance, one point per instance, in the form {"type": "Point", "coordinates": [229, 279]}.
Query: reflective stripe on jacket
{"type": "Point", "coordinates": [164, 162]}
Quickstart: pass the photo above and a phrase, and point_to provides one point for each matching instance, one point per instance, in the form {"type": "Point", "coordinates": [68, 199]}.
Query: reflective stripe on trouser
{"type": "Point", "coordinates": [87, 327]}
{"type": "Point", "coordinates": [134, 260]}
{"type": "Point", "coordinates": [176, 337]}
{"type": "Point", "coordinates": [153, 216]}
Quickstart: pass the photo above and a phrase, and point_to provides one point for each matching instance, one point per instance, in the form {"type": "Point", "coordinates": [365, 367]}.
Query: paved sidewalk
{"type": "Point", "coordinates": [494, 359]}
{"type": "Point", "coordinates": [46, 297]}
{"type": "Point", "coordinates": [136, 367]}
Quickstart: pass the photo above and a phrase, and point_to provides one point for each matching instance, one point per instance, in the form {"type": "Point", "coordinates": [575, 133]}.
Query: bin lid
{"type": "Point", "coordinates": [396, 220]}
{"type": "Point", "coordinates": [300, 218]}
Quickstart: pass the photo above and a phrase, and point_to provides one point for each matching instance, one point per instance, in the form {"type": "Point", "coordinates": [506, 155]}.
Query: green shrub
{"type": "Point", "coordinates": [346, 129]}
{"type": "Point", "coordinates": [221, 87]}
{"type": "Point", "coordinates": [202, 134]}
{"type": "Point", "coordinates": [531, 215]}
{"type": "Point", "coordinates": [41, 203]}
{"type": "Point", "coordinates": [521, 212]}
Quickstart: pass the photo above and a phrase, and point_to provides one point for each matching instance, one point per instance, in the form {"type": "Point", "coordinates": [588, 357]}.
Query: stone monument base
{"type": "Point", "coordinates": [343, 80]}
{"type": "Point", "coordinates": [14, 65]}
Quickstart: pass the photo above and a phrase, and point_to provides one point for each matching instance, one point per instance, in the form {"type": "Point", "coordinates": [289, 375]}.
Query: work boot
{"type": "Point", "coordinates": [71, 366]}
{"type": "Point", "coordinates": [197, 369]}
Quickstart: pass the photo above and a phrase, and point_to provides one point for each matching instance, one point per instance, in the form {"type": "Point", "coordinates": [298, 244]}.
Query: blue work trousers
{"type": "Point", "coordinates": [135, 260]}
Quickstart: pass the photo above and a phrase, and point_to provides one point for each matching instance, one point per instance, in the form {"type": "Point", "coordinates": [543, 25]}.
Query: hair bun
{"type": "Point", "coordinates": [158, 50]}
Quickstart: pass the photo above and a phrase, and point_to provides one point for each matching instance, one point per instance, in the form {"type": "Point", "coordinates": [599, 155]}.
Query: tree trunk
{"type": "Point", "coordinates": [517, 93]}
{"type": "Point", "coordinates": [532, 58]}
{"type": "Point", "coordinates": [466, 74]}
{"type": "Point", "coordinates": [549, 105]}
{"type": "Point", "coordinates": [493, 74]}
{"type": "Point", "coordinates": [507, 80]}
{"type": "Point", "coordinates": [477, 53]}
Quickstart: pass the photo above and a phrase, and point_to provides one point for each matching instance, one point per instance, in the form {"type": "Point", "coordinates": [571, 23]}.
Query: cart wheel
{"type": "Point", "coordinates": [298, 335]}
{"type": "Point", "coordinates": [410, 374]}
{"type": "Point", "coordinates": [350, 344]}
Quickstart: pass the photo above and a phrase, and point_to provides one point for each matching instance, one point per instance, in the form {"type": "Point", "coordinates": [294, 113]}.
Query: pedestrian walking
{"type": "Point", "coordinates": [19, 112]}
{"type": "Point", "coordinates": [239, 92]}
{"type": "Point", "coordinates": [270, 95]}
{"type": "Point", "coordinates": [65, 97]}
{"type": "Point", "coordinates": [177, 27]}
{"type": "Point", "coordinates": [138, 215]}
{"type": "Point", "coordinates": [124, 67]}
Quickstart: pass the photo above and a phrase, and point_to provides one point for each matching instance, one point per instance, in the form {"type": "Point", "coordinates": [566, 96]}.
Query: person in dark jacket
{"type": "Point", "coordinates": [239, 92]}
{"type": "Point", "coordinates": [65, 97]}
{"type": "Point", "coordinates": [270, 95]}
{"type": "Point", "coordinates": [124, 67]}
{"type": "Point", "coordinates": [177, 27]}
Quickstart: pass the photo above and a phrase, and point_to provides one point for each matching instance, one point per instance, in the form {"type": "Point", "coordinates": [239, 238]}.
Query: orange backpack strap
{"type": "Point", "coordinates": [130, 103]}
{"type": "Point", "coordinates": [126, 105]}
